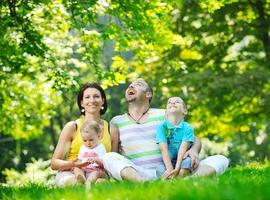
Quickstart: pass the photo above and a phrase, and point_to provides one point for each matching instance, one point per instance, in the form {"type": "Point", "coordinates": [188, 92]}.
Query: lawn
{"type": "Point", "coordinates": [247, 182]}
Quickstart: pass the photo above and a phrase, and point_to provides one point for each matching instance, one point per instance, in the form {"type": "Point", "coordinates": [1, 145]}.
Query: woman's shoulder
{"type": "Point", "coordinates": [70, 128]}
{"type": "Point", "coordinates": [71, 124]}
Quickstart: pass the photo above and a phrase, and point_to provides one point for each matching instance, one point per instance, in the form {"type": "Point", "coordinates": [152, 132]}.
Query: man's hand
{"type": "Point", "coordinates": [194, 158]}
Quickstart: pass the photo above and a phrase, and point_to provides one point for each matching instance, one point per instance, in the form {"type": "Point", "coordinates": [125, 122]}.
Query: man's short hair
{"type": "Point", "coordinates": [148, 88]}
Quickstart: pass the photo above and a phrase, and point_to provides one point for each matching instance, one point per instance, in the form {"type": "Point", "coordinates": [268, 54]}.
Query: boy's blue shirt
{"type": "Point", "coordinates": [174, 136]}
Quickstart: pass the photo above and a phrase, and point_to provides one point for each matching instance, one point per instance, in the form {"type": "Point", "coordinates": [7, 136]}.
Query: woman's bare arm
{"type": "Point", "coordinates": [63, 147]}
{"type": "Point", "coordinates": [114, 132]}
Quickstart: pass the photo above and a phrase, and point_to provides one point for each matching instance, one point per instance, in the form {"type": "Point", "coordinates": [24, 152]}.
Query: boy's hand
{"type": "Point", "coordinates": [174, 173]}
{"type": "Point", "coordinates": [194, 158]}
{"type": "Point", "coordinates": [166, 174]}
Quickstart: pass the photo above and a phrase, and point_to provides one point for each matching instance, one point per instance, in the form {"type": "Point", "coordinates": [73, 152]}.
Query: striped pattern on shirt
{"type": "Point", "coordinates": [138, 141]}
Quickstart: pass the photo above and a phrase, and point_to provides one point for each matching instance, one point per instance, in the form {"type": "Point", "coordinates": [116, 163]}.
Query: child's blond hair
{"type": "Point", "coordinates": [89, 126]}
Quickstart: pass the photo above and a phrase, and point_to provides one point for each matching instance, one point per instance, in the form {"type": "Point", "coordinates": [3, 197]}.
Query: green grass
{"type": "Point", "coordinates": [249, 182]}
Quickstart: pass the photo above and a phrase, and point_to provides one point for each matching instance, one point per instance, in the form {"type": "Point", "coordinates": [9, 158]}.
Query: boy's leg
{"type": "Point", "coordinates": [79, 174]}
{"type": "Point", "coordinates": [185, 167]}
{"type": "Point", "coordinates": [184, 172]}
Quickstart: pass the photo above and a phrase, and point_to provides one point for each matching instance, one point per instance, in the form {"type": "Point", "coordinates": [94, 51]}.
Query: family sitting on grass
{"type": "Point", "coordinates": [142, 144]}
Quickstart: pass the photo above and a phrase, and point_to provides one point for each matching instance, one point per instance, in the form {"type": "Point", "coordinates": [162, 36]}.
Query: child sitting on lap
{"type": "Point", "coordinates": [91, 151]}
{"type": "Point", "coordinates": [175, 137]}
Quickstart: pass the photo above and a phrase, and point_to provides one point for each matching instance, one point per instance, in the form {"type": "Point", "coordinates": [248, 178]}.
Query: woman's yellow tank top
{"type": "Point", "coordinates": [77, 140]}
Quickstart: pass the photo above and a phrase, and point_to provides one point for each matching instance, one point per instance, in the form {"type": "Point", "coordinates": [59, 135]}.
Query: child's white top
{"type": "Point", "coordinates": [86, 152]}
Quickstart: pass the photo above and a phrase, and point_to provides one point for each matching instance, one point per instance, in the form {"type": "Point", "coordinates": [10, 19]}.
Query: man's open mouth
{"type": "Point", "coordinates": [131, 92]}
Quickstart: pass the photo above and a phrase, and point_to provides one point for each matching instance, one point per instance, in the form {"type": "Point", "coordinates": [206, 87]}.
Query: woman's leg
{"type": "Point", "coordinates": [65, 178]}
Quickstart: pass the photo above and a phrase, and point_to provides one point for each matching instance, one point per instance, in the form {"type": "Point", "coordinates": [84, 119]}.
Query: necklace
{"type": "Point", "coordinates": [137, 120]}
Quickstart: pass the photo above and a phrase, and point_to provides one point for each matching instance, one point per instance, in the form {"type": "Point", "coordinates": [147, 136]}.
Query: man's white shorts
{"type": "Point", "coordinates": [114, 163]}
{"type": "Point", "coordinates": [219, 162]}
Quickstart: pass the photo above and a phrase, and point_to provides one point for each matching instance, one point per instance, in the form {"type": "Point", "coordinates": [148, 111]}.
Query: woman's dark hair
{"type": "Point", "coordinates": [99, 88]}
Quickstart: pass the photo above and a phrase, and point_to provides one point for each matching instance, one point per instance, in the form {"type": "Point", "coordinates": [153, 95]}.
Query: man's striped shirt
{"type": "Point", "coordinates": [138, 141]}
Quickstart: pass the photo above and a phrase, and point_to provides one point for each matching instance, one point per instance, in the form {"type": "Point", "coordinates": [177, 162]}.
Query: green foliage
{"type": "Point", "coordinates": [249, 182]}
{"type": "Point", "coordinates": [36, 172]}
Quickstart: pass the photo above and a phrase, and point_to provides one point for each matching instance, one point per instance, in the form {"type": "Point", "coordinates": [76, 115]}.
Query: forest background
{"type": "Point", "coordinates": [214, 54]}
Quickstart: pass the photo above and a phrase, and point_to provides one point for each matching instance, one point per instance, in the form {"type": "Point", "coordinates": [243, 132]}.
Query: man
{"type": "Point", "coordinates": [133, 137]}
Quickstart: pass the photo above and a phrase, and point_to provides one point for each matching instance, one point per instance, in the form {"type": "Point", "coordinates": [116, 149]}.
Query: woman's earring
{"type": "Point", "coordinates": [102, 107]}
{"type": "Point", "coordinates": [82, 110]}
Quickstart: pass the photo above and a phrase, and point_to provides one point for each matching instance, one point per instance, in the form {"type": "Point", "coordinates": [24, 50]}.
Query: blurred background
{"type": "Point", "coordinates": [214, 54]}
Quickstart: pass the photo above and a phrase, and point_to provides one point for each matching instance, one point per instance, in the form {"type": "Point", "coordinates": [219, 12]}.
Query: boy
{"type": "Point", "coordinates": [175, 137]}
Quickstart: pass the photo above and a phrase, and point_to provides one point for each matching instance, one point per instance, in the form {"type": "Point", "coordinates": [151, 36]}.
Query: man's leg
{"type": "Point", "coordinates": [130, 174]}
{"type": "Point", "coordinates": [204, 170]}
{"type": "Point", "coordinates": [121, 168]}
{"type": "Point", "coordinates": [212, 165]}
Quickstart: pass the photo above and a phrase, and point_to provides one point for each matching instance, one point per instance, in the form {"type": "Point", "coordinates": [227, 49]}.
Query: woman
{"type": "Point", "coordinates": [92, 104]}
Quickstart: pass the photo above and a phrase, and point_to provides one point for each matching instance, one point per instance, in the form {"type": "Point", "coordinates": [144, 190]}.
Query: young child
{"type": "Point", "coordinates": [175, 137]}
{"type": "Point", "coordinates": [90, 151]}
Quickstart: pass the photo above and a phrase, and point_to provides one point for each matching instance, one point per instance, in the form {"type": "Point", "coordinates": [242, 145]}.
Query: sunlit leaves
{"type": "Point", "coordinates": [26, 107]}
{"type": "Point", "coordinates": [190, 54]}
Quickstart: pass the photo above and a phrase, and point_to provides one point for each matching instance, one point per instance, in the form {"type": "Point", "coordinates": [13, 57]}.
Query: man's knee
{"type": "Point", "coordinates": [220, 164]}
{"type": "Point", "coordinates": [216, 164]}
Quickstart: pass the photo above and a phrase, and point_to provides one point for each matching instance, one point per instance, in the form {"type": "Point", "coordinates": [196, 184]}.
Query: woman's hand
{"type": "Point", "coordinates": [81, 163]}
